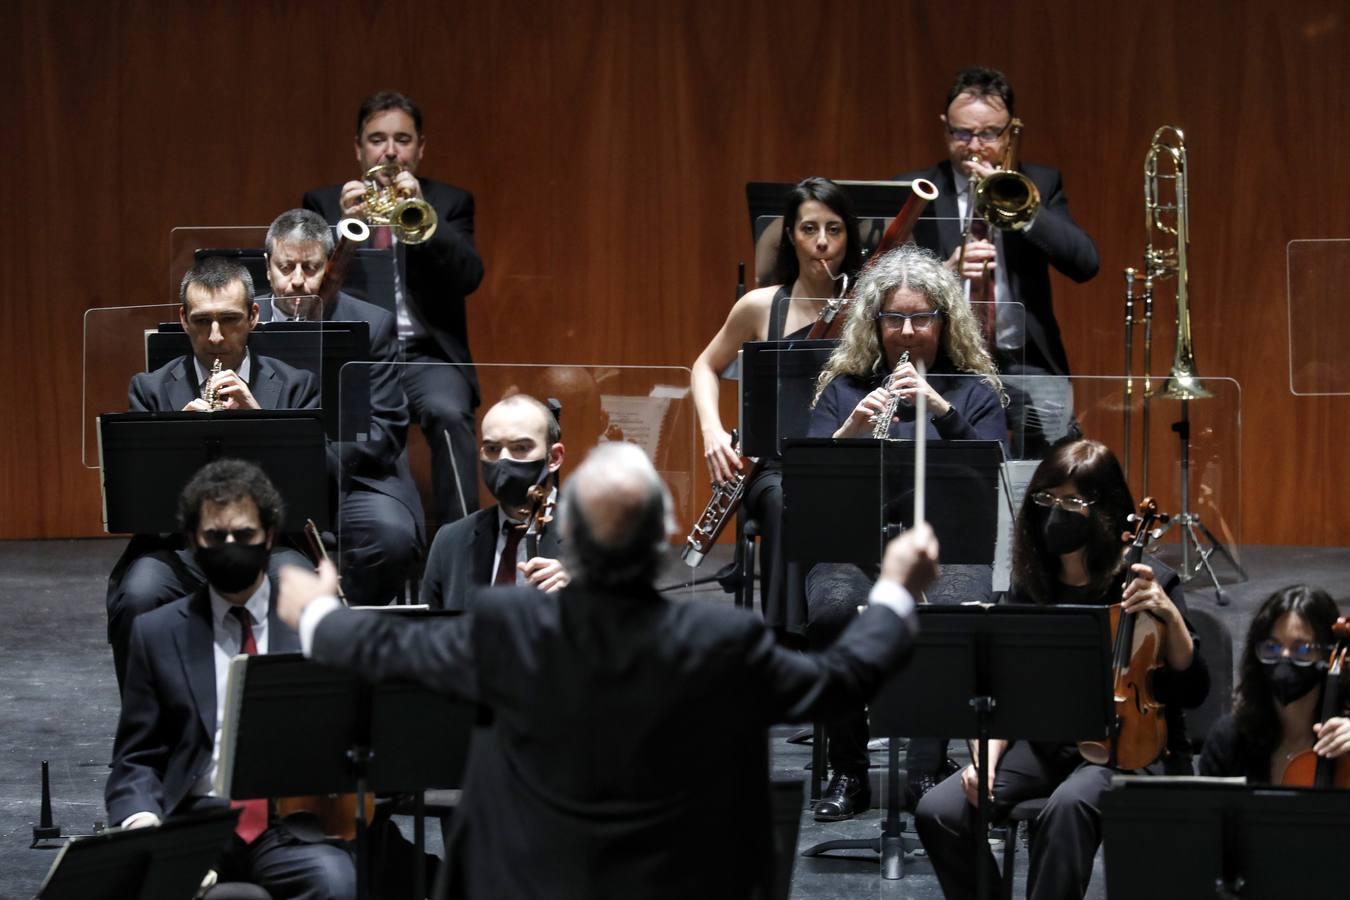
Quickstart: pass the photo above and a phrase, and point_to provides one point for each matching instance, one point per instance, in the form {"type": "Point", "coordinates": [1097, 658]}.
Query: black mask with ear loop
{"type": "Point", "coordinates": [1064, 532]}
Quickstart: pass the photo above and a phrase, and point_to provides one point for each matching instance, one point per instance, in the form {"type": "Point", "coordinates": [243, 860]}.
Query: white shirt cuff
{"type": "Point", "coordinates": [893, 596]}
{"type": "Point", "coordinates": [140, 820]}
{"type": "Point", "coordinates": [310, 619]}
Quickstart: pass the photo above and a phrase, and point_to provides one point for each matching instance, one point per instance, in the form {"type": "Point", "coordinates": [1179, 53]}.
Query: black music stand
{"type": "Point", "coordinates": [369, 275]}
{"type": "Point", "coordinates": [147, 457]}
{"type": "Point", "coordinates": [1204, 838]}
{"type": "Point", "coordinates": [296, 728]}
{"type": "Point", "coordinates": [988, 671]}
{"type": "Point", "coordinates": [778, 380]}
{"type": "Point", "coordinates": [167, 860]}
{"type": "Point", "coordinates": [321, 348]}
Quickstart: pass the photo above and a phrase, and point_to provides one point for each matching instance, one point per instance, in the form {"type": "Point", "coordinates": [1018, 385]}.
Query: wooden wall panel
{"type": "Point", "coordinates": [608, 145]}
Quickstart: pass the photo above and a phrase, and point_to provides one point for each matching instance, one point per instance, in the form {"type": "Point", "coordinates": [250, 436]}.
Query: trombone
{"type": "Point", "coordinates": [411, 218]}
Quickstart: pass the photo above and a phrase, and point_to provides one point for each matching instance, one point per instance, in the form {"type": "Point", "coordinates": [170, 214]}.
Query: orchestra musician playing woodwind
{"type": "Point", "coordinates": [1067, 550]}
{"type": "Point", "coordinates": [818, 246]}
{"type": "Point", "coordinates": [521, 450]}
{"type": "Point", "coordinates": [904, 302]}
{"type": "Point", "coordinates": [977, 125]}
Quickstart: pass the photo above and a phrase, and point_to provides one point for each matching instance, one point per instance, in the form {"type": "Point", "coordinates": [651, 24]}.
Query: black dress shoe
{"type": "Point", "coordinates": [846, 796]}
{"type": "Point", "coordinates": [922, 784]}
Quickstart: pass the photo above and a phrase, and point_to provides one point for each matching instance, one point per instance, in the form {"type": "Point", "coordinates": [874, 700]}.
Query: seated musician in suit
{"type": "Point", "coordinates": [818, 243]}
{"type": "Point", "coordinates": [904, 302]}
{"type": "Point", "coordinates": [1067, 549]}
{"type": "Point", "coordinates": [380, 513]}
{"type": "Point", "coordinates": [1279, 699]}
{"type": "Point", "coordinates": [218, 313]}
{"type": "Point", "coordinates": [521, 447]}
{"type": "Point", "coordinates": [166, 750]}
{"type": "Point", "coordinates": [597, 776]}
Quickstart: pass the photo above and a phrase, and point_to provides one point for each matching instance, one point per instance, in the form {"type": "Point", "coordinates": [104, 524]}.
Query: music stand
{"type": "Point", "coordinates": [987, 671]}
{"type": "Point", "coordinates": [321, 348]}
{"type": "Point", "coordinates": [145, 458]}
{"type": "Point", "coordinates": [294, 728]}
{"type": "Point", "coordinates": [369, 275]}
{"type": "Point", "coordinates": [778, 379]}
{"type": "Point", "coordinates": [1212, 838]}
{"type": "Point", "coordinates": [167, 860]}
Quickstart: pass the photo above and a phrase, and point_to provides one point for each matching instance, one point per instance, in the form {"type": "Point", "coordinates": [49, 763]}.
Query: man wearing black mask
{"type": "Point", "coordinates": [521, 447]}
{"type": "Point", "coordinates": [164, 755]}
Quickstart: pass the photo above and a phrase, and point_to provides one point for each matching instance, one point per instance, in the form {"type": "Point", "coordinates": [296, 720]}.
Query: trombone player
{"type": "Point", "coordinates": [1008, 265]}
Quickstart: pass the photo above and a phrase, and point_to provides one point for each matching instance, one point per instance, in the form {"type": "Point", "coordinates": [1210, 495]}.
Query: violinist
{"type": "Point", "coordinates": [1279, 695]}
{"type": "Point", "coordinates": [521, 449]}
{"type": "Point", "coordinates": [819, 244]}
{"type": "Point", "coordinates": [906, 302]}
{"type": "Point", "coordinates": [1067, 550]}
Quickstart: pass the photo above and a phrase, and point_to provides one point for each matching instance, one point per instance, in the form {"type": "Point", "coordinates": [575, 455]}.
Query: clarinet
{"type": "Point", "coordinates": [209, 391]}
{"type": "Point", "coordinates": [881, 422]}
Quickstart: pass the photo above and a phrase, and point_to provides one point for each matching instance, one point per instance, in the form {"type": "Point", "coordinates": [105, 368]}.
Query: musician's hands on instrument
{"type": "Point", "coordinates": [144, 819]}
{"type": "Point", "coordinates": [197, 405]}
{"type": "Point", "coordinates": [407, 185]}
{"type": "Point", "coordinates": [1333, 737]}
{"type": "Point", "coordinates": [233, 391]}
{"type": "Point", "coordinates": [722, 458]}
{"type": "Point", "coordinates": [859, 422]}
{"type": "Point", "coordinates": [1144, 594]}
{"type": "Point", "coordinates": [546, 574]}
{"type": "Point", "coordinates": [981, 258]}
{"type": "Point", "coordinates": [908, 382]}
{"type": "Point", "coordinates": [912, 559]}
{"type": "Point", "coordinates": [979, 168]}
{"type": "Point", "coordinates": [298, 588]}
{"type": "Point", "coordinates": [353, 198]}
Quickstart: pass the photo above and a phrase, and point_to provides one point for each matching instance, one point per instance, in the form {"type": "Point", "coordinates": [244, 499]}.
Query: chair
{"type": "Point", "coordinates": [1027, 811]}
{"type": "Point", "coordinates": [1216, 643]}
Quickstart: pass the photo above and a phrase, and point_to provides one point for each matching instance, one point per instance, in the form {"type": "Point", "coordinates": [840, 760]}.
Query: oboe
{"type": "Point", "coordinates": [209, 392]}
{"type": "Point", "coordinates": [881, 422]}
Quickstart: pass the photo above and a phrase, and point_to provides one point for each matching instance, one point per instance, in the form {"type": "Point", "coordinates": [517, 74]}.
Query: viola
{"type": "Point", "coordinates": [1138, 732]}
{"type": "Point", "coordinates": [1307, 769]}
{"type": "Point", "coordinates": [539, 512]}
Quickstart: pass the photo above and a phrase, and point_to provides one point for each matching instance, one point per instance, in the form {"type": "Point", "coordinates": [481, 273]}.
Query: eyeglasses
{"type": "Point", "coordinates": [918, 321]}
{"type": "Point", "coordinates": [987, 135]}
{"type": "Point", "coordinates": [1072, 503]}
{"type": "Point", "coordinates": [1271, 651]}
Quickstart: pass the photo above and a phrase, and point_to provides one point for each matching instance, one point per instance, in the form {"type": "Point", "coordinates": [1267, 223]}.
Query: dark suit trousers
{"type": "Point", "coordinates": [1066, 834]}
{"type": "Point", "coordinates": [780, 582]}
{"type": "Point", "coordinates": [378, 544]}
{"type": "Point", "coordinates": [291, 869]}
{"type": "Point", "coordinates": [440, 397]}
{"type": "Point", "coordinates": [160, 578]}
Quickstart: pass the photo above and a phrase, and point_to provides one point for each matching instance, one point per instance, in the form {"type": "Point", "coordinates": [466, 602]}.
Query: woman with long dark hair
{"type": "Point", "coordinates": [818, 247]}
{"type": "Point", "coordinates": [1278, 697]}
{"type": "Point", "coordinates": [1067, 550]}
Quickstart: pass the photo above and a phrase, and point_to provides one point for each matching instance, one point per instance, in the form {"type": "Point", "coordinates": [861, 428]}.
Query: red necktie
{"type": "Point", "coordinates": [506, 568]}
{"type": "Point", "coordinates": [979, 230]}
{"type": "Point", "coordinates": [381, 237]}
{"type": "Point", "coordinates": [253, 815]}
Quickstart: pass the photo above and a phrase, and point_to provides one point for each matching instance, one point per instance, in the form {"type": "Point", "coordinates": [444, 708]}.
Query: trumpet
{"type": "Point", "coordinates": [412, 219]}
{"type": "Point", "coordinates": [881, 422]}
{"type": "Point", "coordinates": [209, 391]}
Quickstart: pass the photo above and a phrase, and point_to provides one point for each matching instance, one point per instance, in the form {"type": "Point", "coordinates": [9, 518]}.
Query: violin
{"type": "Point", "coordinates": [539, 512]}
{"type": "Point", "coordinates": [831, 320]}
{"type": "Point", "coordinates": [1307, 769]}
{"type": "Point", "coordinates": [1138, 732]}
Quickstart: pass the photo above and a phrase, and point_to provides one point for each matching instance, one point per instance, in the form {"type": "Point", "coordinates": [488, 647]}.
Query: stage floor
{"type": "Point", "coordinates": [58, 702]}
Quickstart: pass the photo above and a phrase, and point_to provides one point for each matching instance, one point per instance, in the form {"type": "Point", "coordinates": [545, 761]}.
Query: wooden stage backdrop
{"type": "Point", "coordinates": [608, 144]}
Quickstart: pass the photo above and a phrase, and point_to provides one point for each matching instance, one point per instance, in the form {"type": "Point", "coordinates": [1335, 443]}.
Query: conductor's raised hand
{"type": "Point", "coordinates": [298, 588]}
{"type": "Point", "coordinates": [911, 560]}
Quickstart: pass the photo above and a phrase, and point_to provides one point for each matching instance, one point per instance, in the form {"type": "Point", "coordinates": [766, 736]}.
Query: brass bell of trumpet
{"type": "Point", "coordinates": [412, 219]}
{"type": "Point", "coordinates": [1007, 199]}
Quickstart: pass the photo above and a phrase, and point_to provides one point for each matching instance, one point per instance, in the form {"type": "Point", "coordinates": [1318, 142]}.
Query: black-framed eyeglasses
{"type": "Point", "coordinates": [918, 321]}
{"type": "Point", "coordinates": [1072, 503]}
{"type": "Point", "coordinates": [986, 135]}
{"type": "Point", "coordinates": [1303, 653]}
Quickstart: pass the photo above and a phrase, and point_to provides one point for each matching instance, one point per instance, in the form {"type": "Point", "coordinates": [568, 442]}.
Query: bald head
{"type": "Point", "coordinates": [616, 516]}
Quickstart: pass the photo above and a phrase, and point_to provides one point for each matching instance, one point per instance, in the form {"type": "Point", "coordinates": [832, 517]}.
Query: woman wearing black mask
{"type": "Point", "coordinates": [1278, 697]}
{"type": "Point", "coordinates": [1067, 550]}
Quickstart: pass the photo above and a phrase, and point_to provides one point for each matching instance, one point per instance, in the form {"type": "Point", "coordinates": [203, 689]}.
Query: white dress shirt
{"type": "Point", "coordinates": [1010, 320]}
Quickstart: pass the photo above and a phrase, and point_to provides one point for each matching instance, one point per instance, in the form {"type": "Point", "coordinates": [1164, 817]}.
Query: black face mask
{"type": "Point", "coordinates": [1289, 682]}
{"type": "Point", "coordinates": [510, 480]}
{"type": "Point", "coordinates": [231, 567]}
{"type": "Point", "coordinates": [1065, 532]}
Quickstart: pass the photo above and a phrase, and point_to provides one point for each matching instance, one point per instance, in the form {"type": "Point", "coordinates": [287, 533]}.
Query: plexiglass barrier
{"type": "Point", "coordinates": [1318, 297]}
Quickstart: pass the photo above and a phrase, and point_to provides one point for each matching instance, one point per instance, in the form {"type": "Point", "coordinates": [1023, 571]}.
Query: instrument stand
{"type": "Point", "coordinates": [45, 830]}
{"type": "Point", "coordinates": [1191, 526]}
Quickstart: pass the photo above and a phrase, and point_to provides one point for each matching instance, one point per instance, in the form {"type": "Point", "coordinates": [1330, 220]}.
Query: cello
{"type": "Point", "coordinates": [1307, 769]}
{"type": "Point", "coordinates": [1138, 731]}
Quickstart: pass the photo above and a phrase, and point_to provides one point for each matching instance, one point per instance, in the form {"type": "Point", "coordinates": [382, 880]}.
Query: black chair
{"type": "Point", "coordinates": [1027, 811]}
{"type": "Point", "coordinates": [1216, 643]}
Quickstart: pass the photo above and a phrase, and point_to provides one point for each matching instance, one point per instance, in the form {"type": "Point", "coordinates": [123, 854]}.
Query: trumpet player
{"type": "Point", "coordinates": [1007, 266]}
{"type": "Point", "coordinates": [433, 278]}
{"type": "Point", "coordinates": [905, 302]}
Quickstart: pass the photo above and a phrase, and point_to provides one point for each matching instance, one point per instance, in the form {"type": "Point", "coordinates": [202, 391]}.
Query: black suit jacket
{"type": "Point", "coordinates": [441, 272]}
{"type": "Point", "coordinates": [1054, 240]}
{"type": "Point", "coordinates": [628, 755]}
{"type": "Point", "coordinates": [380, 461]}
{"type": "Point", "coordinates": [167, 728]}
{"type": "Point", "coordinates": [460, 561]}
{"type": "Point", "coordinates": [173, 385]}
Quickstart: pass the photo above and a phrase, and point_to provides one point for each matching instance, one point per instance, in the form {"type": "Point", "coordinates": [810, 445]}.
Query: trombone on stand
{"type": "Point", "coordinates": [1165, 261]}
